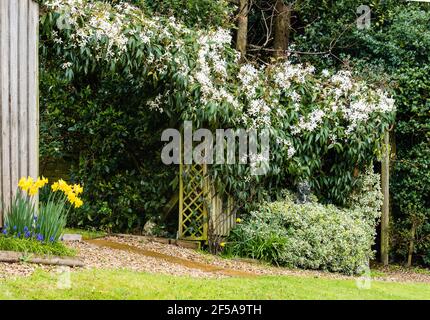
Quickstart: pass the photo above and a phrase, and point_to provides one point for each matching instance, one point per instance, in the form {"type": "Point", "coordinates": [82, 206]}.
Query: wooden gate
{"type": "Point", "coordinates": [18, 95]}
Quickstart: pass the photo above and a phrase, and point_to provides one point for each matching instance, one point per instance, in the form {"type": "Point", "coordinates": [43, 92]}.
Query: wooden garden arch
{"type": "Point", "coordinates": [19, 139]}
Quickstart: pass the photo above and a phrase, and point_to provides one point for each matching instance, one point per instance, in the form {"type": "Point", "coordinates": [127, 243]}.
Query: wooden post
{"type": "Point", "coordinates": [385, 220]}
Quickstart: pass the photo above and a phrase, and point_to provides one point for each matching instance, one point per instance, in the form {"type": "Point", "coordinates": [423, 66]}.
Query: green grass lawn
{"type": "Point", "coordinates": [124, 284]}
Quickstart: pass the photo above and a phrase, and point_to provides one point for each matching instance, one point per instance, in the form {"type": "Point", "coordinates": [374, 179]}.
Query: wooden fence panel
{"type": "Point", "coordinates": [19, 95]}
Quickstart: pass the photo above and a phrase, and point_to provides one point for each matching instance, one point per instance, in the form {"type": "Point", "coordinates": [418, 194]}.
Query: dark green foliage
{"type": "Point", "coordinates": [99, 123]}
{"type": "Point", "coordinates": [195, 13]}
{"type": "Point", "coordinates": [404, 47]}
{"type": "Point", "coordinates": [114, 144]}
{"type": "Point", "coordinates": [396, 53]}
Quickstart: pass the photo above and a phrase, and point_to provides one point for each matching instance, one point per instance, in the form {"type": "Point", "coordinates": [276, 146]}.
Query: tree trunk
{"type": "Point", "coordinates": [242, 28]}
{"type": "Point", "coordinates": [385, 177]}
{"type": "Point", "coordinates": [411, 243]}
{"type": "Point", "coordinates": [282, 28]}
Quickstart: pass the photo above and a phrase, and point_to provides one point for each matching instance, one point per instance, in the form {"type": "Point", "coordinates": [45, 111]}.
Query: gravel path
{"type": "Point", "coordinates": [108, 258]}
{"type": "Point", "coordinates": [248, 267]}
{"type": "Point", "coordinates": [244, 267]}
{"type": "Point", "coordinates": [144, 254]}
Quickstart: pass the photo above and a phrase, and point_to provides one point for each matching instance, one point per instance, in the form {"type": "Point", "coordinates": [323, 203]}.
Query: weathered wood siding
{"type": "Point", "coordinates": [222, 217]}
{"type": "Point", "coordinates": [19, 139]}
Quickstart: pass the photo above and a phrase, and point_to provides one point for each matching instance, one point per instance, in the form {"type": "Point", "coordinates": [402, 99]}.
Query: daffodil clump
{"type": "Point", "coordinates": [71, 191]}
{"type": "Point", "coordinates": [46, 222]}
{"type": "Point", "coordinates": [31, 186]}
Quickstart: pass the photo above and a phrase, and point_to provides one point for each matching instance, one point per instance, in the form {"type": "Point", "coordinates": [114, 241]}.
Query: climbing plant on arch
{"type": "Point", "coordinates": [323, 126]}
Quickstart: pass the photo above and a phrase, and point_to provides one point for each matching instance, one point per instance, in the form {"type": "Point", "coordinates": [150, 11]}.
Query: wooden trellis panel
{"type": "Point", "coordinates": [200, 205]}
{"type": "Point", "coordinates": [193, 215]}
{"type": "Point", "coordinates": [18, 95]}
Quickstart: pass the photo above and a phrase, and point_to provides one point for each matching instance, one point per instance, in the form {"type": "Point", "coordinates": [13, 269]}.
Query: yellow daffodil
{"type": "Point", "coordinates": [40, 183]}
{"type": "Point", "coordinates": [55, 186]}
{"type": "Point", "coordinates": [31, 186]}
{"type": "Point", "coordinates": [78, 203]}
{"type": "Point", "coordinates": [71, 192]}
{"type": "Point", "coordinates": [22, 182]}
{"type": "Point", "coordinates": [238, 220]}
{"type": "Point", "coordinates": [63, 186]}
{"type": "Point", "coordinates": [71, 197]}
{"type": "Point", "coordinates": [25, 183]}
{"type": "Point", "coordinates": [222, 244]}
{"type": "Point", "coordinates": [77, 189]}
{"type": "Point", "coordinates": [33, 190]}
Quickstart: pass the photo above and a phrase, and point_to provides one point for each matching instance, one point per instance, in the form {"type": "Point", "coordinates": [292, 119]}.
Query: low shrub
{"type": "Point", "coordinates": [312, 235]}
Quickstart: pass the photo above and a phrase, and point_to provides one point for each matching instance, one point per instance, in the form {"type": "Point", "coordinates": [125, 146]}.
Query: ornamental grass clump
{"type": "Point", "coordinates": [46, 223]}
